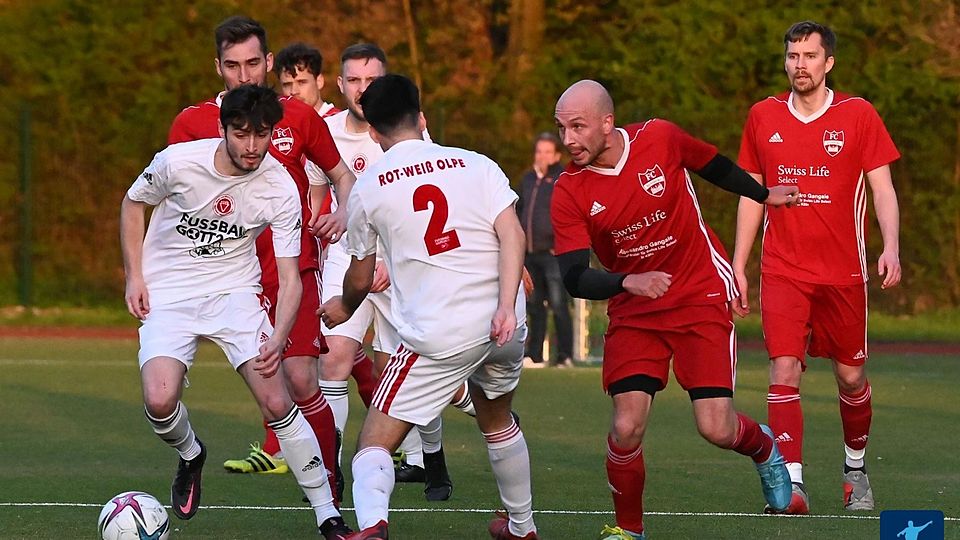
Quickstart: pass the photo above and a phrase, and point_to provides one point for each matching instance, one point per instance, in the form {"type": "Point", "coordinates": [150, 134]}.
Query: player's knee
{"type": "Point", "coordinates": [718, 434]}
{"type": "Point", "coordinates": [336, 365]}
{"type": "Point", "coordinates": [302, 385]}
{"type": "Point", "coordinates": [851, 382]}
{"type": "Point", "coordinates": [786, 371]}
{"type": "Point", "coordinates": [275, 407]}
{"type": "Point", "coordinates": [159, 404]}
{"type": "Point", "coordinates": [626, 431]}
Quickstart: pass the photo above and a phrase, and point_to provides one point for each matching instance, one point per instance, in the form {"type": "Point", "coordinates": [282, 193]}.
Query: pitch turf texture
{"type": "Point", "coordinates": [73, 435]}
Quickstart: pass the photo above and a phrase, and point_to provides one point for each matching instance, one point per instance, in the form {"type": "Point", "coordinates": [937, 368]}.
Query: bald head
{"type": "Point", "coordinates": [584, 117]}
{"type": "Point", "coordinates": [586, 96]}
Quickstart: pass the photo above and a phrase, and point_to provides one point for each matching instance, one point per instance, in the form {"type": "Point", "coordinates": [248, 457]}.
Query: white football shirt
{"type": "Point", "coordinates": [201, 236]}
{"type": "Point", "coordinates": [433, 209]}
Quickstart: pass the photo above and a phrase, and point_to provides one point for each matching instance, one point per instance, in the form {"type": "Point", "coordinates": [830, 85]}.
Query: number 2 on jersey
{"type": "Point", "coordinates": [436, 239]}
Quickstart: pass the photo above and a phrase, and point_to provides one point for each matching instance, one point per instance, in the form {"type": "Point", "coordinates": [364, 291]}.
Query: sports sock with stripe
{"type": "Point", "coordinates": [317, 413]}
{"type": "Point", "coordinates": [176, 431]}
{"type": "Point", "coordinates": [510, 461]}
{"type": "Point", "coordinates": [302, 452]}
{"type": "Point", "coordinates": [786, 420]}
{"type": "Point", "coordinates": [856, 414]}
{"type": "Point", "coordinates": [626, 475]}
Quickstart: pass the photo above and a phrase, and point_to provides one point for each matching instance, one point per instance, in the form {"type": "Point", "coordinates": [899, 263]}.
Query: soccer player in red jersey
{"type": "Point", "coordinates": [813, 271]}
{"type": "Point", "coordinates": [628, 195]}
{"type": "Point", "coordinates": [243, 58]}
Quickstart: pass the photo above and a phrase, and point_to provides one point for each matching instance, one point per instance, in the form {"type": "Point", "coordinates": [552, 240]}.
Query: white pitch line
{"type": "Point", "coordinates": [479, 511]}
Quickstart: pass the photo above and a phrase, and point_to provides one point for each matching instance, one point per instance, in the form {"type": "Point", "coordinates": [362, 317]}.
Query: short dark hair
{"type": "Point", "coordinates": [802, 30]}
{"type": "Point", "coordinates": [238, 29]}
{"type": "Point", "coordinates": [250, 106]}
{"type": "Point", "coordinates": [390, 103]}
{"type": "Point", "coordinates": [363, 51]}
{"type": "Point", "coordinates": [298, 56]}
{"type": "Point", "coordinates": [548, 136]}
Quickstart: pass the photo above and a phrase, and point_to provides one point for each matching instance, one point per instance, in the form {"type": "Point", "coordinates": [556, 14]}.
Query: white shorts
{"type": "Point", "coordinates": [374, 309]}
{"type": "Point", "coordinates": [416, 388]}
{"type": "Point", "coordinates": [237, 322]}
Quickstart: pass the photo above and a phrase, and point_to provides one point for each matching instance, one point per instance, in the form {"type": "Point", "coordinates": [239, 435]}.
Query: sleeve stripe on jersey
{"type": "Point", "coordinates": [859, 216]}
{"type": "Point", "coordinates": [724, 270]}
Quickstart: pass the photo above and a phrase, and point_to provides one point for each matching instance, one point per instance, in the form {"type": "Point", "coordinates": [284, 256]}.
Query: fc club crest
{"type": "Point", "coordinates": [833, 142]}
{"type": "Point", "coordinates": [359, 163]}
{"type": "Point", "coordinates": [283, 139]}
{"type": "Point", "coordinates": [223, 206]}
{"type": "Point", "coordinates": [652, 181]}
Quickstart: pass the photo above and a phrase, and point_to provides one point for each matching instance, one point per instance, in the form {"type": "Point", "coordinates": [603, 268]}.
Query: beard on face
{"type": "Point", "coordinates": [237, 160]}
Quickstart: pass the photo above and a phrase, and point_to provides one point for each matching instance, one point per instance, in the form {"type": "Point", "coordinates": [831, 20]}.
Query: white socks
{"type": "Point", "coordinates": [372, 485]}
{"type": "Point", "coordinates": [510, 461]}
{"type": "Point", "coordinates": [431, 436]}
{"type": "Point", "coordinates": [176, 431]}
{"type": "Point", "coordinates": [302, 452]}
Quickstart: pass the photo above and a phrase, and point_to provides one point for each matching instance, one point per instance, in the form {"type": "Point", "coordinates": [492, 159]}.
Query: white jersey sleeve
{"type": "Point", "coordinates": [151, 186]}
{"type": "Point", "coordinates": [287, 222]}
{"type": "Point", "coordinates": [315, 175]}
{"type": "Point", "coordinates": [501, 196]}
{"type": "Point", "coordinates": [362, 237]}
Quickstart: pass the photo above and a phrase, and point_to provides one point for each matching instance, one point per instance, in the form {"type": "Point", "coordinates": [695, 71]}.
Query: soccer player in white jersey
{"type": "Point", "coordinates": [423, 459]}
{"type": "Point", "coordinates": [300, 70]}
{"type": "Point", "coordinates": [453, 244]}
{"type": "Point", "coordinates": [813, 268]}
{"type": "Point", "coordinates": [196, 275]}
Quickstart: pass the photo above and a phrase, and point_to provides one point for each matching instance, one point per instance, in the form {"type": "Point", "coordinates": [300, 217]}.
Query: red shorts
{"type": "Point", "coordinates": [828, 321]}
{"type": "Point", "coordinates": [700, 339]}
{"type": "Point", "coordinates": [305, 338]}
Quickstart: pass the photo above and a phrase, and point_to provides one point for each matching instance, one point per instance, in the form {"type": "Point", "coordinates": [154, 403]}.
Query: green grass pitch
{"type": "Point", "coordinates": [72, 434]}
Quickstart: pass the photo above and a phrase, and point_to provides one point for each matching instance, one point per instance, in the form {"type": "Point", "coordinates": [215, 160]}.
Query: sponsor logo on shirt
{"type": "Point", "coordinates": [775, 138]}
{"type": "Point", "coordinates": [224, 205]}
{"type": "Point", "coordinates": [596, 208]}
{"type": "Point", "coordinates": [833, 142]}
{"type": "Point", "coordinates": [283, 139]}
{"type": "Point", "coordinates": [652, 181]}
{"type": "Point", "coordinates": [148, 177]}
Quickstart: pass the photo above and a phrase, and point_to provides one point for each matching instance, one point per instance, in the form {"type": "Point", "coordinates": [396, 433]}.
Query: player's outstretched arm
{"type": "Point", "coordinates": [332, 226]}
{"type": "Point", "coordinates": [510, 265]}
{"type": "Point", "coordinates": [727, 175]}
{"type": "Point", "coordinates": [288, 301]}
{"type": "Point", "coordinates": [132, 229]}
{"type": "Point", "coordinates": [888, 216]}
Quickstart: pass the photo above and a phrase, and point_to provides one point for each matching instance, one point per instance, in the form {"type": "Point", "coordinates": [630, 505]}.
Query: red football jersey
{"type": "Point", "coordinates": [822, 238]}
{"type": "Point", "coordinates": [300, 135]}
{"type": "Point", "coordinates": [644, 216]}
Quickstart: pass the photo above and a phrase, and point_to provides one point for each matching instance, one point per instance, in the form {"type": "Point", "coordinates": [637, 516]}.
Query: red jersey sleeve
{"type": "Point", "coordinates": [747, 160]}
{"type": "Point", "coordinates": [318, 146]}
{"type": "Point", "coordinates": [694, 153]}
{"type": "Point", "coordinates": [569, 223]}
{"type": "Point", "coordinates": [195, 122]}
{"type": "Point", "coordinates": [878, 147]}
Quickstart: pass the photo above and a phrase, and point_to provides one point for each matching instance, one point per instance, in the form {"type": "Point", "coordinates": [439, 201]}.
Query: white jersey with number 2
{"type": "Point", "coordinates": [433, 207]}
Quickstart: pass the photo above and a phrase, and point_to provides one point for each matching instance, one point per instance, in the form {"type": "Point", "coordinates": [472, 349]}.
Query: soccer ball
{"type": "Point", "coordinates": [133, 515]}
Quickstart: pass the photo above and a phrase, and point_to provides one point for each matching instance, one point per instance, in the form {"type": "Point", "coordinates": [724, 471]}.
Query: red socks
{"type": "Point", "coordinates": [856, 411]}
{"type": "Point", "coordinates": [626, 474]}
{"type": "Point", "coordinates": [786, 421]}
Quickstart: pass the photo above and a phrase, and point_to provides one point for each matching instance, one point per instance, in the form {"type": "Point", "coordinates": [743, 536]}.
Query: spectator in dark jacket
{"type": "Point", "coordinates": [536, 189]}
